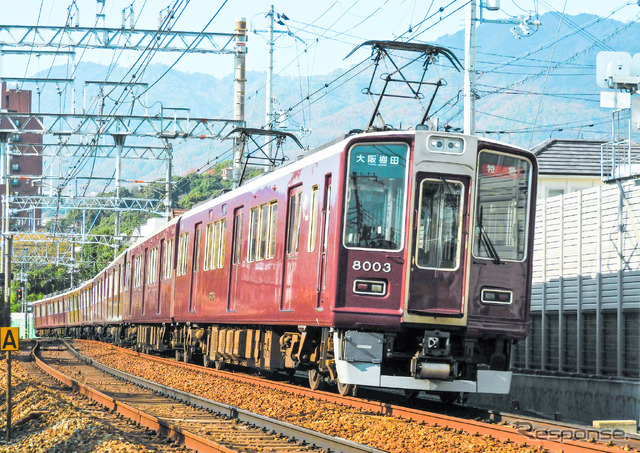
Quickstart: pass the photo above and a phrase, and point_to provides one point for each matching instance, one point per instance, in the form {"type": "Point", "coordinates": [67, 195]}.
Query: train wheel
{"type": "Point", "coordinates": [316, 380]}
{"type": "Point", "coordinates": [206, 361]}
{"type": "Point", "coordinates": [346, 389]}
{"type": "Point", "coordinates": [218, 364]}
{"type": "Point", "coordinates": [187, 356]}
{"type": "Point", "coordinates": [178, 355]}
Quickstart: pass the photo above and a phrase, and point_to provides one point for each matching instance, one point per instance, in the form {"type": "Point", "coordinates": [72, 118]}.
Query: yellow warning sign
{"type": "Point", "coordinates": [9, 338]}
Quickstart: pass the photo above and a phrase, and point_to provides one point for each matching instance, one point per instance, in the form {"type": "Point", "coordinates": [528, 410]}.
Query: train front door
{"type": "Point", "coordinates": [439, 226]}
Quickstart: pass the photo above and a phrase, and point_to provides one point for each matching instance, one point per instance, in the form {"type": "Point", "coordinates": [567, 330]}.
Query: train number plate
{"type": "Point", "coordinates": [371, 266]}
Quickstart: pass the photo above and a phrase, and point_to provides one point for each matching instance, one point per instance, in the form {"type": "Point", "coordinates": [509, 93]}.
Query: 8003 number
{"type": "Point", "coordinates": [371, 266]}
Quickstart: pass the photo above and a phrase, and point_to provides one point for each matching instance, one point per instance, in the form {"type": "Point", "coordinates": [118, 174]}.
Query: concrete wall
{"type": "Point", "coordinates": [580, 400]}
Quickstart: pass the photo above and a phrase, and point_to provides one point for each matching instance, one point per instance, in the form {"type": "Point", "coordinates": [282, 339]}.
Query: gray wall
{"type": "Point", "coordinates": [586, 285]}
{"type": "Point", "coordinates": [580, 400]}
{"type": "Point", "coordinates": [581, 357]}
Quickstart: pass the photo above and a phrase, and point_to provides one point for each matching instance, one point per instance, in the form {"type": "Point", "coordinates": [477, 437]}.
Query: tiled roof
{"type": "Point", "coordinates": [568, 157]}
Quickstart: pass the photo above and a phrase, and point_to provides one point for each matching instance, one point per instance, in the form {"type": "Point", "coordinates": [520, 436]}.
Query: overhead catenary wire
{"type": "Point", "coordinates": [544, 86]}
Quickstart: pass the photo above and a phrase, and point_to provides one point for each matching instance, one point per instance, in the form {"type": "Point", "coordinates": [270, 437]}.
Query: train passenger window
{"type": "Point", "coordinates": [215, 244]}
{"type": "Point", "coordinates": [183, 249]}
{"type": "Point", "coordinates": [127, 275]}
{"type": "Point", "coordinates": [261, 237]}
{"type": "Point", "coordinates": [271, 230]}
{"type": "Point", "coordinates": [253, 230]}
{"type": "Point", "coordinates": [439, 224]}
{"type": "Point", "coordinates": [293, 224]}
{"type": "Point", "coordinates": [168, 258]}
{"type": "Point", "coordinates": [220, 243]}
{"type": "Point", "coordinates": [313, 219]}
{"type": "Point", "coordinates": [376, 197]}
{"type": "Point", "coordinates": [196, 249]}
{"type": "Point", "coordinates": [137, 272]}
{"type": "Point", "coordinates": [208, 247]}
{"type": "Point", "coordinates": [503, 198]}
{"type": "Point", "coordinates": [237, 238]}
{"type": "Point", "coordinates": [152, 265]}
{"type": "Point", "coordinates": [262, 231]}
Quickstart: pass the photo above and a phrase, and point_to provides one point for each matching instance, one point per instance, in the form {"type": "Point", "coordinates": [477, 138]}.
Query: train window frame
{"type": "Point", "coordinates": [168, 258]}
{"type": "Point", "coordinates": [137, 273]}
{"type": "Point", "coordinates": [313, 218]}
{"type": "Point", "coordinates": [446, 185]}
{"type": "Point", "coordinates": [294, 219]}
{"type": "Point", "coordinates": [197, 239]}
{"type": "Point", "coordinates": [215, 244]}
{"type": "Point", "coordinates": [183, 248]}
{"type": "Point", "coordinates": [221, 245]}
{"type": "Point", "coordinates": [207, 246]}
{"type": "Point", "coordinates": [262, 231]}
{"type": "Point", "coordinates": [400, 223]}
{"type": "Point", "coordinates": [253, 230]}
{"type": "Point", "coordinates": [127, 274]}
{"type": "Point", "coordinates": [152, 266]}
{"type": "Point", "coordinates": [478, 232]}
{"type": "Point", "coordinates": [272, 229]}
{"type": "Point", "coordinates": [261, 237]}
{"type": "Point", "coordinates": [238, 219]}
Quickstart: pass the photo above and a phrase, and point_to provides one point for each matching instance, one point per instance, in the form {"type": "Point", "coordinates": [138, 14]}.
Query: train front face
{"type": "Point", "coordinates": [436, 263]}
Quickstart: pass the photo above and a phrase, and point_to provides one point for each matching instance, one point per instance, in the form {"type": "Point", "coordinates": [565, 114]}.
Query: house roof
{"type": "Point", "coordinates": [569, 157]}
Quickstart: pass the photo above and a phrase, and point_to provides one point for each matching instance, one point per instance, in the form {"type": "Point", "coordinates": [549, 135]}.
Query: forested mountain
{"type": "Point", "coordinates": [551, 90]}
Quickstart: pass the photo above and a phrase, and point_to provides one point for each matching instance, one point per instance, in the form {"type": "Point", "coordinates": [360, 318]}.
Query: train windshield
{"type": "Point", "coordinates": [439, 224]}
{"type": "Point", "coordinates": [502, 210]}
{"type": "Point", "coordinates": [376, 196]}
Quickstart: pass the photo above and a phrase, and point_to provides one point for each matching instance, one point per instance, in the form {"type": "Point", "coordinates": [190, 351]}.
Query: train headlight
{"type": "Point", "coordinates": [370, 287]}
{"type": "Point", "coordinates": [496, 296]}
{"type": "Point", "coordinates": [449, 145]}
{"type": "Point", "coordinates": [436, 144]}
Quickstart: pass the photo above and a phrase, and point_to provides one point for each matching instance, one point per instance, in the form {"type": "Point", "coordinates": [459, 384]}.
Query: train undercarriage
{"type": "Point", "coordinates": [443, 362]}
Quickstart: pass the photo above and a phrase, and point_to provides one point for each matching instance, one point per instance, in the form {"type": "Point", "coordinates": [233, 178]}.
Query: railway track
{"type": "Point", "coordinates": [199, 424]}
{"type": "Point", "coordinates": [524, 431]}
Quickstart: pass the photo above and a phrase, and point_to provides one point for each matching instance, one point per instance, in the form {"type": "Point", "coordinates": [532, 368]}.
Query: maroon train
{"type": "Point", "coordinates": [386, 259]}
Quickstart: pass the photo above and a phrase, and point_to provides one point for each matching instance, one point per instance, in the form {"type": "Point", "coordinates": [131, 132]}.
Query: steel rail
{"type": "Point", "coordinates": [162, 427]}
{"type": "Point", "coordinates": [500, 432]}
{"type": "Point", "coordinates": [286, 429]}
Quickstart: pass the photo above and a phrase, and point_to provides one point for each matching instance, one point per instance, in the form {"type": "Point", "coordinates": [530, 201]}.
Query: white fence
{"type": "Point", "coordinates": [586, 285]}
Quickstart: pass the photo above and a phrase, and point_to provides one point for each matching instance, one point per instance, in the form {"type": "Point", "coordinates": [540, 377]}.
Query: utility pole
{"type": "Point", "coordinates": [119, 141]}
{"type": "Point", "coordinates": [169, 154]}
{"type": "Point", "coordinates": [470, 69]}
{"type": "Point", "coordinates": [7, 242]}
{"type": "Point", "coordinates": [238, 110]}
{"type": "Point", "coordinates": [524, 26]}
{"type": "Point", "coordinates": [269, 112]}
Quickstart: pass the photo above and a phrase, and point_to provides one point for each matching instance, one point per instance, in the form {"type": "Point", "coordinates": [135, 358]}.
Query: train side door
{"type": "Point", "coordinates": [294, 210]}
{"type": "Point", "coordinates": [322, 245]}
{"type": "Point", "coordinates": [440, 224]}
{"type": "Point", "coordinates": [236, 259]}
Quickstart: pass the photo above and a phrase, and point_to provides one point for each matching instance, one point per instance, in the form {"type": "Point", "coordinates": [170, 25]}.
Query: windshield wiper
{"type": "Point", "coordinates": [485, 240]}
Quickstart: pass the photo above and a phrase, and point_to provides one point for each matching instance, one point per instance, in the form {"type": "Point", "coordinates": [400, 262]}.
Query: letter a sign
{"type": "Point", "coordinates": [9, 338]}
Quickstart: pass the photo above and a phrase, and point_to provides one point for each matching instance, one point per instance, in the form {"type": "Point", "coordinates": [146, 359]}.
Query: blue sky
{"type": "Point", "coordinates": [325, 31]}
